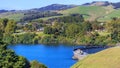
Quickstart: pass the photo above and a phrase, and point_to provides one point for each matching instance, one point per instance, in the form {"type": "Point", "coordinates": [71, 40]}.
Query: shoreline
{"type": "Point", "coordinates": [81, 53]}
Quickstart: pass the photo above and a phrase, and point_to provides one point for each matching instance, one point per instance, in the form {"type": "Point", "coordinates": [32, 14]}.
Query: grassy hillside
{"type": "Point", "coordinates": [93, 12]}
{"type": "Point", "coordinates": [82, 10]}
{"type": "Point", "coordinates": [11, 15]}
{"type": "Point", "coordinates": [46, 18]}
{"type": "Point", "coordinates": [115, 13]}
{"type": "Point", "coordinates": [109, 58]}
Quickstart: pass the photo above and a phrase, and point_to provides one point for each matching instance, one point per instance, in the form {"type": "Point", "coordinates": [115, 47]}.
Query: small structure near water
{"type": "Point", "coordinates": [118, 44]}
{"type": "Point", "coordinates": [80, 53]}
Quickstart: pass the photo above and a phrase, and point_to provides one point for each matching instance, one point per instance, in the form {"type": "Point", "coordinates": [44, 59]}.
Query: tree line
{"type": "Point", "coordinates": [31, 15]}
{"type": "Point", "coordinates": [76, 32]}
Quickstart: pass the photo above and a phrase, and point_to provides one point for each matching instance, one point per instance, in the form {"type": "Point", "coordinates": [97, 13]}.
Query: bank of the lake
{"type": "Point", "coordinates": [108, 58]}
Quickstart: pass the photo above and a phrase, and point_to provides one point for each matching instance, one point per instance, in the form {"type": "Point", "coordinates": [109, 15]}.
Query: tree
{"type": "Point", "coordinates": [3, 24]}
{"type": "Point", "coordinates": [115, 36]}
{"type": "Point", "coordinates": [8, 38]}
{"type": "Point", "coordinates": [10, 28]}
{"type": "Point", "coordinates": [113, 25]}
{"type": "Point", "coordinates": [48, 30]}
{"type": "Point", "coordinates": [114, 28]}
{"type": "Point", "coordinates": [87, 26]}
{"type": "Point", "coordinates": [72, 30]}
{"type": "Point", "coordinates": [8, 59]}
{"type": "Point", "coordinates": [5, 21]}
{"type": "Point", "coordinates": [1, 31]}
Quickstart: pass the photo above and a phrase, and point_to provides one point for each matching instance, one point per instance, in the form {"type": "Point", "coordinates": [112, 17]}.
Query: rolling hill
{"type": "Point", "coordinates": [19, 14]}
{"type": "Point", "coordinates": [103, 3]}
{"type": "Point", "coordinates": [90, 12]}
{"type": "Point", "coordinates": [115, 13]}
{"type": "Point", "coordinates": [98, 3]}
{"type": "Point", "coordinates": [2, 11]}
{"type": "Point", "coordinates": [109, 58]}
{"type": "Point", "coordinates": [54, 7]}
{"type": "Point", "coordinates": [12, 15]}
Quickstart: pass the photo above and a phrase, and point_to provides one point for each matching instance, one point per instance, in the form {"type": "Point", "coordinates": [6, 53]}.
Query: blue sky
{"type": "Point", "coordinates": [28, 4]}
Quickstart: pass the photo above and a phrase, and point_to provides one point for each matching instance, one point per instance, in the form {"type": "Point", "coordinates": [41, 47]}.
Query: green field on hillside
{"type": "Point", "coordinates": [93, 12]}
{"type": "Point", "coordinates": [46, 18]}
{"type": "Point", "coordinates": [9, 15]}
{"type": "Point", "coordinates": [115, 13]}
{"type": "Point", "coordinates": [83, 10]}
{"type": "Point", "coordinates": [109, 58]}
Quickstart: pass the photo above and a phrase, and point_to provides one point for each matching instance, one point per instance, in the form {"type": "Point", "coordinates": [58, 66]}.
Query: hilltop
{"type": "Point", "coordinates": [97, 3]}
{"type": "Point", "coordinates": [55, 7]}
{"type": "Point", "coordinates": [109, 58]}
{"type": "Point", "coordinates": [103, 3]}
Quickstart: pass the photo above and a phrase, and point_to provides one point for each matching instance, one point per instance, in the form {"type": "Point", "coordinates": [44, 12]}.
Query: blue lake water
{"type": "Point", "coordinates": [53, 56]}
{"type": "Point", "coordinates": [56, 56]}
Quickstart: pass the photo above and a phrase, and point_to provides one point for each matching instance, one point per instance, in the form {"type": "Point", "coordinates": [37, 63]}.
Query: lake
{"type": "Point", "coordinates": [56, 56]}
{"type": "Point", "coordinates": [53, 56]}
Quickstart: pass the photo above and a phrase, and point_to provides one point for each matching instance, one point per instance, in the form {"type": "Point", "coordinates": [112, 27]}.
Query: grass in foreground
{"type": "Point", "coordinates": [109, 58]}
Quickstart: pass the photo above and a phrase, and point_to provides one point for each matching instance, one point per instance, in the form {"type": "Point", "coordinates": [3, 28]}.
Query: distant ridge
{"type": "Point", "coordinates": [55, 7]}
{"type": "Point", "coordinates": [98, 3]}
{"type": "Point", "coordinates": [116, 5]}
{"type": "Point", "coordinates": [2, 11]}
{"type": "Point", "coordinates": [103, 3]}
